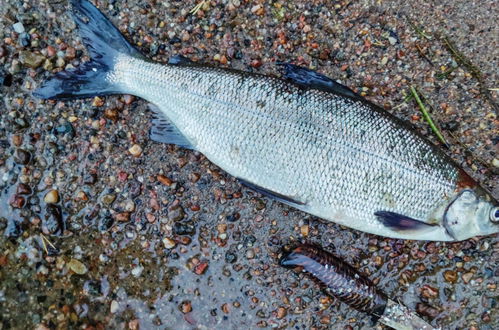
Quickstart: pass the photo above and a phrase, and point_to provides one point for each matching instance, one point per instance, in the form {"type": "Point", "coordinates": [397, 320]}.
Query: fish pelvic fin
{"type": "Point", "coordinates": [401, 223]}
{"type": "Point", "coordinates": [104, 43]}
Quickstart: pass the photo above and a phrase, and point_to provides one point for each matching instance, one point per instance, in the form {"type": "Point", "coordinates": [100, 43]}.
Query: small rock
{"type": "Point", "coordinates": [18, 27]}
{"type": "Point", "coordinates": [304, 230]}
{"type": "Point", "coordinates": [495, 162]}
{"type": "Point", "coordinates": [115, 306]}
{"type": "Point", "coordinates": [176, 213]}
{"type": "Point", "coordinates": [52, 197]}
{"type": "Point", "coordinates": [450, 276]}
{"type": "Point", "coordinates": [60, 62]}
{"type": "Point", "coordinates": [137, 271]}
{"type": "Point", "coordinates": [90, 178]}
{"type": "Point", "coordinates": [250, 254]}
{"type": "Point", "coordinates": [17, 202]}
{"type": "Point", "coordinates": [122, 216]}
{"type": "Point", "coordinates": [201, 268]}
{"type": "Point", "coordinates": [111, 114]}
{"type": "Point", "coordinates": [105, 223]}
{"type": "Point", "coordinates": [134, 324]}
{"type": "Point", "coordinates": [467, 277]}
{"type": "Point", "coordinates": [281, 312]}
{"type": "Point", "coordinates": [22, 157]}
{"type": "Point", "coordinates": [53, 223]}
{"type": "Point", "coordinates": [230, 257]}
{"type": "Point", "coordinates": [135, 150]}
{"type": "Point", "coordinates": [24, 189]}
{"type": "Point", "coordinates": [426, 310]}
{"type": "Point", "coordinates": [108, 199]}
{"type": "Point", "coordinates": [31, 60]}
{"type": "Point", "coordinates": [97, 102]}
{"type": "Point", "coordinates": [77, 266]}
{"type": "Point", "coordinates": [185, 307]}
{"type": "Point", "coordinates": [128, 99]}
{"type": "Point", "coordinates": [187, 228]}
{"type": "Point", "coordinates": [51, 52]}
{"type": "Point", "coordinates": [168, 243]}
{"type": "Point", "coordinates": [164, 180]}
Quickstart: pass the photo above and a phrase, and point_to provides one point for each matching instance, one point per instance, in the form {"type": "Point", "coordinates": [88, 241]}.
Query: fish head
{"type": "Point", "coordinates": [472, 212]}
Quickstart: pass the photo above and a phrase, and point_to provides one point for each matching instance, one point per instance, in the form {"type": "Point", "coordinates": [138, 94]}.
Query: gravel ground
{"type": "Point", "coordinates": [94, 237]}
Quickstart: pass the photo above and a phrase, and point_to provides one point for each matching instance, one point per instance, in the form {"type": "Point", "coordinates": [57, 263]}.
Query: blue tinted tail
{"type": "Point", "coordinates": [105, 43]}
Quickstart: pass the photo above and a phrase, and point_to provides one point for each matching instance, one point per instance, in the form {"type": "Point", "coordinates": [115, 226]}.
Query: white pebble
{"type": "Point", "coordinates": [18, 27]}
{"type": "Point", "coordinates": [137, 271]}
{"type": "Point", "coordinates": [114, 306]}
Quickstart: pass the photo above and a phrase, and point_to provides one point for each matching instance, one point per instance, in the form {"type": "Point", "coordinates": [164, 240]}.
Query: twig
{"type": "Point", "coordinates": [195, 10]}
{"type": "Point", "coordinates": [427, 117]}
{"type": "Point", "coordinates": [406, 99]}
{"type": "Point", "coordinates": [419, 31]}
{"type": "Point", "coordinates": [475, 72]}
{"type": "Point", "coordinates": [45, 241]}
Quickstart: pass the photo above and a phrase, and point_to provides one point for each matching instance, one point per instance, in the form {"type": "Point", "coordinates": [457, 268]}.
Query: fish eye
{"type": "Point", "coordinates": [494, 214]}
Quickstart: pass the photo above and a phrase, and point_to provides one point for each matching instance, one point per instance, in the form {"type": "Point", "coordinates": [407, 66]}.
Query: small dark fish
{"type": "Point", "coordinates": [350, 287]}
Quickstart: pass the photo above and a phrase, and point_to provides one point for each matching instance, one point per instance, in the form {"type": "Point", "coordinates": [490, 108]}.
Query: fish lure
{"type": "Point", "coordinates": [345, 283]}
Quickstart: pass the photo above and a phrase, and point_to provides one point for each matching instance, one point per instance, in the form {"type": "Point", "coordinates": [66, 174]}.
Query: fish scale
{"type": "Point", "coordinates": [292, 136]}
{"type": "Point", "coordinates": [306, 141]}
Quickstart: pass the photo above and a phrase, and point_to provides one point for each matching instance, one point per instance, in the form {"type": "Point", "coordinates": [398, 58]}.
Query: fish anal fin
{"type": "Point", "coordinates": [312, 79]}
{"type": "Point", "coordinates": [400, 223]}
{"type": "Point", "coordinates": [279, 197]}
{"type": "Point", "coordinates": [164, 131]}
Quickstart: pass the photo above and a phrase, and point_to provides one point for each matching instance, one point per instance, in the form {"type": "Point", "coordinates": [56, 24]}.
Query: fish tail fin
{"type": "Point", "coordinates": [104, 43]}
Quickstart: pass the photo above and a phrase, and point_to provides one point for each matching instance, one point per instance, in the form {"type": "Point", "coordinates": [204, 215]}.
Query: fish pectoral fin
{"type": "Point", "coordinates": [399, 222]}
{"type": "Point", "coordinates": [279, 197]}
{"type": "Point", "coordinates": [164, 131]}
{"type": "Point", "coordinates": [312, 79]}
{"type": "Point", "coordinates": [180, 60]}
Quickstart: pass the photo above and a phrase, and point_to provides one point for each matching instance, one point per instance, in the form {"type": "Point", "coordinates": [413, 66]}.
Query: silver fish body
{"type": "Point", "coordinates": [337, 157]}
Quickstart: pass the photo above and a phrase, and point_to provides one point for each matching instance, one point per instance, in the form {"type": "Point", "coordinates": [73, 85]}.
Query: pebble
{"type": "Point", "coordinates": [77, 266]}
{"type": "Point", "coordinates": [135, 150]}
{"type": "Point", "coordinates": [52, 197]}
{"type": "Point", "coordinates": [185, 307]}
{"type": "Point", "coordinates": [169, 243]}
{"type": "Point", "coordinates": [22, 157]}
{"type": "Point", "coordinates": [250, 254]}
{"type": "Point", "coordinates": [31, 60]}
{"type": "Point", "coordinates": [108, 199]}
{"type": "Point", "coordinates": [97, 102]}
{"type": "Point", "coordinates": [281, 312]}
{"type": "Point", "coordinates": [450, 276]}
{"type": "Point", "coordinates": [115, 306]}
{"type": "Point", "coordinates": [122, 216]}
{"type": "Point", "coordinates": [495, 162]}
{"type": "Point", "coordinates": [137, 271]}
{"type": "Point", "coordinates": [467, 277]}
{"type": "Point", "coordinates": [164, 180]}
{"type": "Point", "coordinates": [18, 27]}
{"type": "Point", "coordinates": [60, 62]}
{"type": "Point", "coordinates": [200, 268]}
{"type": "Point", "coordinates": [176, 213]}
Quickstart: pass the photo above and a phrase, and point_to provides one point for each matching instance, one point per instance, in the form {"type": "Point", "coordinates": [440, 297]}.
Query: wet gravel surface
{"type": "Point", "coordinates": [102, 227]}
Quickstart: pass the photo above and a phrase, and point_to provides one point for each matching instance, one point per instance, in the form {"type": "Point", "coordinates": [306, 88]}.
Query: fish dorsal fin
{"type": "Point", "coordinates": [279, 197]}
{"type": "Point", "coordinates": [180, 60]}
{"type": "Point", "coordinates": [401, 223]}
{"type": "Point", "coordinates": [312, 79]}
{"type": "Point", "coordinates": [164, 131]}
